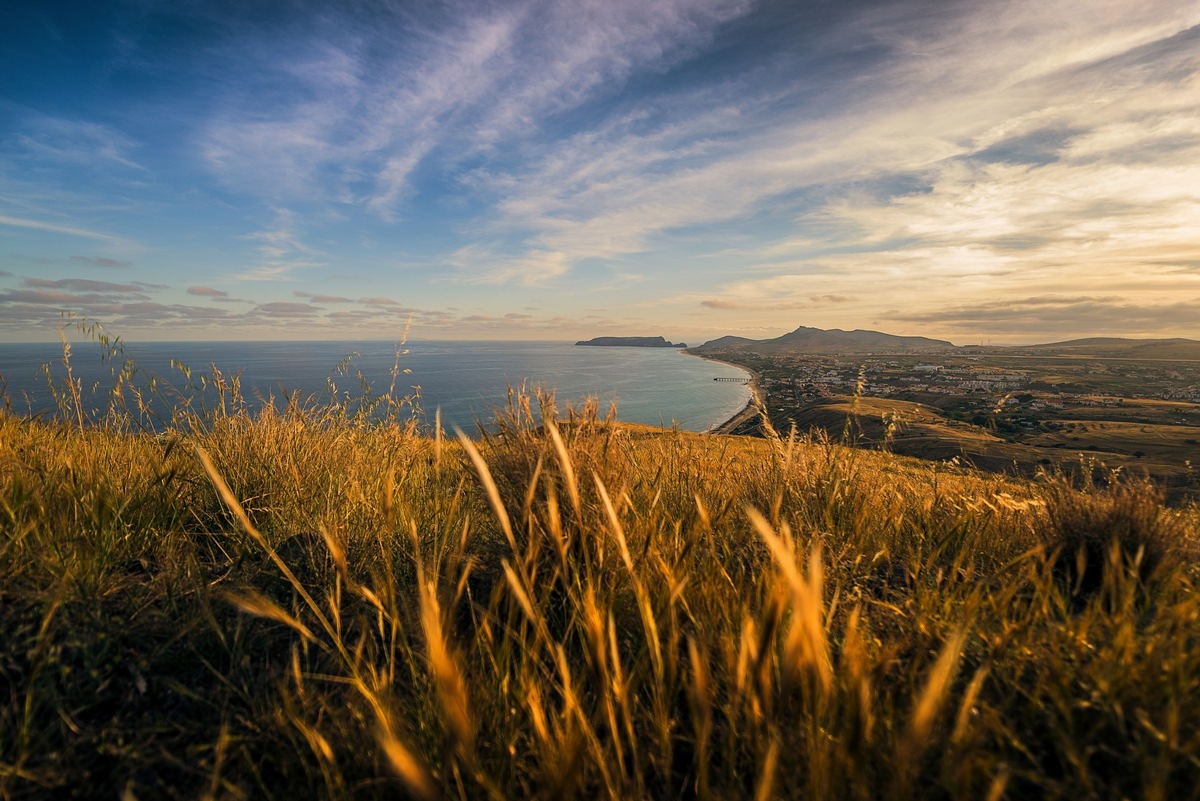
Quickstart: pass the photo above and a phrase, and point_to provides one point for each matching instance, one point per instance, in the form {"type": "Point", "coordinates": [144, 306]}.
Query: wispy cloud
{"type": "Point", "coordinates": [920, 129]}
{"type": "Point", "coordinates": [1078, 170]}
{"type": "Point", "coordinates": [281, 249]}
{"type": "Point", "coordinates": [86, 285]}
{"type": "Point", "coordinates": [101, 261]}
{"type": "Point", "coordinates": [143, 310]}
{"type": "Point", "coordinates": [492, 264]}
{"type": "Point", "coordinates": [59, 228]}
{"type": "Point", "coordinates": [750, 165]}
{"type": "Point", "coordinates": [285, 309]}
{"type": "Point", "coordinates": [75, 143]}
{"type": "Point", "coordinates": [1069, 316]}
{"type": "Point", "coordinates": [458, 87]}
{"type": "Point", "coordinates": [720, 304]}
{"type": "Point", "coordinates": [319, 298]}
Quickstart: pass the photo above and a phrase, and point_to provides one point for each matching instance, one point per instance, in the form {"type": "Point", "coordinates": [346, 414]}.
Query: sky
{"type": "Point", "coordinates": [1005, 171]}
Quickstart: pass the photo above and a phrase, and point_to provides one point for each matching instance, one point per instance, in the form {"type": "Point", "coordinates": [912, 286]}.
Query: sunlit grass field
{"type": "Point", "coordinates": [309, 603]}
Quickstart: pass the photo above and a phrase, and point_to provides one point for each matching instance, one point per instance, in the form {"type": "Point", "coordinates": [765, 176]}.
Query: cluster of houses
{"type": "Point", "coordinates": [815, 376]}
{"type": "Point", "coordinates": [811, 376]}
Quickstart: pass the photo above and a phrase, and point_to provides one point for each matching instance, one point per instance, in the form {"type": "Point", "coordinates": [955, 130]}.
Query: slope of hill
{"type": "Point", "coordinates": [1119, 348]}
{"type": "Point", "coordinates": [355, 611]}
{"type": "Point", "coordinates": [806, 339]}
{"type": "Point", "coordinates": [728, 342]}
{"type": "Point", "coordinates": [905, 428]}
{"type": "Point", "coordinates": [816, 340]}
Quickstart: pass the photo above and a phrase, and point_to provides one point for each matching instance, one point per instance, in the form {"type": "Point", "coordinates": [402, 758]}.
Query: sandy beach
{"type": "Point", "coordinates": [747, 412]}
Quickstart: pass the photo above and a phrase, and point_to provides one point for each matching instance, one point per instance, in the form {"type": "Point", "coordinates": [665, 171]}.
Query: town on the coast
{"type": "Point", "coordinates": [1129, 403]}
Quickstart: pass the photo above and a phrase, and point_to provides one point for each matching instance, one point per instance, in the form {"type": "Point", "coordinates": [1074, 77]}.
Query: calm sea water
{"type": "Point", "coordinates": [466, 380]}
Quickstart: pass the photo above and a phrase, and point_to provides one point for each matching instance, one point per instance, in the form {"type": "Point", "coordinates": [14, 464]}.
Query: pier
{"type": "Point", "coordinates": [738, 380]}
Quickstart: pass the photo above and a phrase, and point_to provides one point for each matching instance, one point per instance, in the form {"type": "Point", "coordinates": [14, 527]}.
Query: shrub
{"type": "Point", "coordinates": [1116, 524]}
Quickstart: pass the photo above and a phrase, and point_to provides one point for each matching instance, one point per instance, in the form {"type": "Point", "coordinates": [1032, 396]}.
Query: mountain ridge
{"type": "Point", "coordinates": [1123, 348]}
{"type": "Point", "coordinates": [806, 339]}
{"type": "Point", "coordinates": [817, 340]}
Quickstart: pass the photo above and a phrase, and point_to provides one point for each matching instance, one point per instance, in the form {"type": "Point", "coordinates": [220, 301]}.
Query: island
{"type": "Point", "coordinates": [631, 342]}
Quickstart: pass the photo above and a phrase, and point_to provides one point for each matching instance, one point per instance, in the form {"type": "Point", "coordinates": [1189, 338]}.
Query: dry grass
{"type": "Point", "coordinates": [308, 603]}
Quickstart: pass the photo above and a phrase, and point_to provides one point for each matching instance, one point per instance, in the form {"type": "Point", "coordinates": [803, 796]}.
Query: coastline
{"type": "Point", "coordinates": [747, 412]}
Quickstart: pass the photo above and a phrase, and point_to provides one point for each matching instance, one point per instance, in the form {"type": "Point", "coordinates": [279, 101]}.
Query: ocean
{"type": "Point", "coordinates": [467, 381]}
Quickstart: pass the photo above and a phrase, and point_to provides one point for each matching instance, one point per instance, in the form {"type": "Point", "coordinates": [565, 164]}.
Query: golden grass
{"type": "Point", "coordinates": [309, 604]}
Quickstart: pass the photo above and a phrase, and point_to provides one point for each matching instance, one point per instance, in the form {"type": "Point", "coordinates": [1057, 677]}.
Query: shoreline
{"type": "Point", "coordinates": [747, 412]}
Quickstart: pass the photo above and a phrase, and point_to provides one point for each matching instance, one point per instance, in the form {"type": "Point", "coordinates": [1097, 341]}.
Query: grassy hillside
{"type": "Point", "coordinates": [907, 428]}
{"type": "Point", "coordinates": [302, 605]}
{"type": "Point", "coordinates": [1115, 347]}
{"type": "Point", "coordinates": [919, 430]}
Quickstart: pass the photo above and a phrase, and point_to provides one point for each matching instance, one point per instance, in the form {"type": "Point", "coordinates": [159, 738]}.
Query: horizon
{"type": "Point", "coordinates": [77, 337]}
{"type": "Point", "coordinates": [533, 170]}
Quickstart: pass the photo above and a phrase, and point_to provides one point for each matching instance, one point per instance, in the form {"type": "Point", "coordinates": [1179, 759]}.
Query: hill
{"type": "Point", "coordinates": [312, 605]}
{"type": "Point", "coordinates": [1121, 348]}
{"type": "Point", "coordinates": [832, 341]}
{"type": "Point", "coordinates": [905, 428]}
{"type": "Point", "coordinates": [631, 342]}
{"type": "Point", "coordinates": [816, 340]}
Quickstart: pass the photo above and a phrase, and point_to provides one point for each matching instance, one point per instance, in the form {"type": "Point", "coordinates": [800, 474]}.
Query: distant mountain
{"type": "Point", "coordinates": [631, 342]}
{"type": "Point", "coordinates": [728, 343]}
{"type": "Point", "coordinates": [1119, 348]}
{"type": "Point", "coordinates": [833, 341]}
{"type": "Point", "coordinates": [817, 340]}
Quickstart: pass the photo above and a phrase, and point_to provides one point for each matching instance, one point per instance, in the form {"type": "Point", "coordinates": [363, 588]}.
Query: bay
{"type": "Point", "coordinates": [467, 381]}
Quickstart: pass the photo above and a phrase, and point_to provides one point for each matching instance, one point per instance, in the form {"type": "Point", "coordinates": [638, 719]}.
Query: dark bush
{"type": "Point", "coordinates": [1118, 525]}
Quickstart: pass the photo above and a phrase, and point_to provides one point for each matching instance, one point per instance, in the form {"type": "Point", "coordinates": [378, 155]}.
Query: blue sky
{"type": "Point", "coordinates": [1006, 171]}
